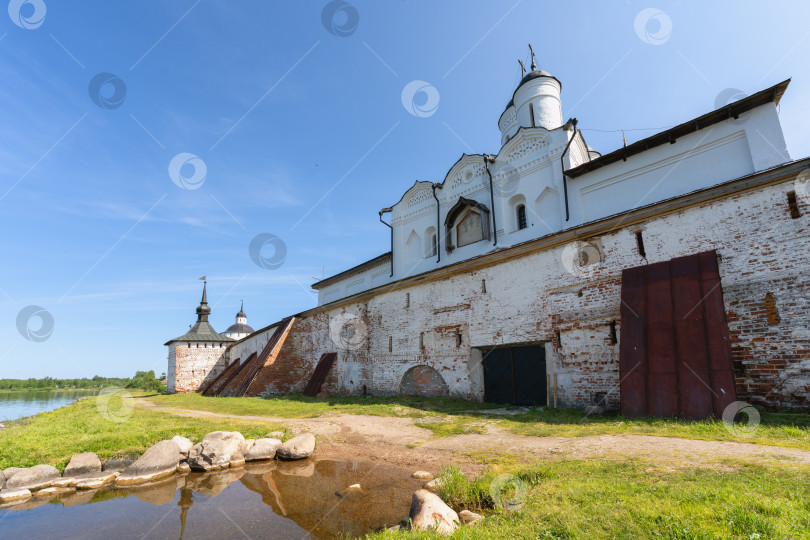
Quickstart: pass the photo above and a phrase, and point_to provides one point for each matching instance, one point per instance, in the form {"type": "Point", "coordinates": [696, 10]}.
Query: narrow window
{"type": "Point", "coordinates": [559, 339]}
{"type": "Point", "coordinates": [421, 341]}
{"type": "Point", "coordinates": [794, 206]}
{"type": "Point", "coordinates": [433, 246]}
{"type": "Point", "coordinates": [458, 338]}
{"type": "Point", "coordinates": [613, 338]}
{"type": "Point", "coordinates": [531, 113]}
{"type": "Point", "coordinates": [390, 343]}
{"type": "Point", "coordinates": [407, 300]}
{"type": "Point", "coordinates": [640, 244]}
{"type": "Point", "coordinates": [521, 216]}
{"type": "Point", "coordinates": [483, 285]}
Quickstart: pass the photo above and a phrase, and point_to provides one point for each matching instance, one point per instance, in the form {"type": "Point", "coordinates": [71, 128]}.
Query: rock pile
{"type": "Point", "coordinates": [179, 455]}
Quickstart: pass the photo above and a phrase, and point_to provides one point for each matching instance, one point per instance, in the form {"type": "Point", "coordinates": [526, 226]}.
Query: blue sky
{"type": "Point", "coordinates": [303, 135]}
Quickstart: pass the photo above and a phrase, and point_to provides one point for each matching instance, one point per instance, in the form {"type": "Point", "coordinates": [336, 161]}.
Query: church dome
{"type": "Point", "coordinates": [535, 74]}
{"type": "Point", "coordinates": [239, 328]}
{"type": "Point", "coordinates": [535, 103]}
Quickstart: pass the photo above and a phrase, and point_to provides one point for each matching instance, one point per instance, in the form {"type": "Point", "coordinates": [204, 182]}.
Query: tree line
{"type": "Point", "coordinates": [144, 380]}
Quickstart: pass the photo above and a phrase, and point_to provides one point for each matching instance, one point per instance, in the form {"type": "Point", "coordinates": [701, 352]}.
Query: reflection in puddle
{"type": "Point", "coordinates": [271, 499]}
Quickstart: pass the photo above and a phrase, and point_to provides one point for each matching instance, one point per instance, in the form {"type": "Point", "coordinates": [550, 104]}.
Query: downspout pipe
{"type": "Point", "coordinates": [573, 122]}
{"type": "Point", "coordinates": [487, 160]}
{"type": "Point", "coordinates": [385, 211]}
{"type": "Point", "coordinates": [438, 224]}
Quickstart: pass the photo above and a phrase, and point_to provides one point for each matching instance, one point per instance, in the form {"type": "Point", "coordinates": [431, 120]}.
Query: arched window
{"type": "Point", "coordinates": [466, 223]}
{"type": "Point", "coordinates": [521, 216]}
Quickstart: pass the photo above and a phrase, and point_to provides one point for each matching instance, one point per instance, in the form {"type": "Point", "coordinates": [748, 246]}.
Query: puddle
{"type": "Point", "coordinates": [269, 500]}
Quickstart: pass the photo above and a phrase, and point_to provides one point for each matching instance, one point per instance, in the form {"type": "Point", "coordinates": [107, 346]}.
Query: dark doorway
{"type": "Point", "coordinates": [675, 357]}
{"type": "Point", "coordinates": [515, 375]}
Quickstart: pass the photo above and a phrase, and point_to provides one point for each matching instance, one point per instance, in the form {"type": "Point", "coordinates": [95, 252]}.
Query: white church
{"type": "Point", "coordinates": [654, 278]}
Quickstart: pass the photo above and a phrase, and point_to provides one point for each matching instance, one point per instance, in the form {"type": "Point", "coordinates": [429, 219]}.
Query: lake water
{"type": "Point", "coordinates": [300, 499]}
{"type": "Point", "coordinates": [15, 405]}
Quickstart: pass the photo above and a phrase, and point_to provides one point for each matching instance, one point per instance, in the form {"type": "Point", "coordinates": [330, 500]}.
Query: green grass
{"type": "Point", "coordinates": [596, 499]}
{"type": "Point", "coordinates": [778, 429]}
{"type": "Point", "coordinates": [299, 406]}
{"type": "Point", "coordinates": [445, 426]}
{"type": "Point", "coordinates": [459, 416]}
{"type": "Point", "coordinates": [53, 437]}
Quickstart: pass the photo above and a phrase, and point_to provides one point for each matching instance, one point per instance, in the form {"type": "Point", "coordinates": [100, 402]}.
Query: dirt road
{"type": "Point", "coordinates": [399, 441]}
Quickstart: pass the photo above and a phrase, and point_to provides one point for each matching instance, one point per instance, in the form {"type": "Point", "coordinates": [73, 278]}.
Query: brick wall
{"type": "Point", "coordinates": [190, 366]}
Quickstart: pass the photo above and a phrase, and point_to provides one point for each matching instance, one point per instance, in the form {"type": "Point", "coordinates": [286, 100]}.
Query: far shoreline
{"type": "Point", "coordinates": [23, 390]}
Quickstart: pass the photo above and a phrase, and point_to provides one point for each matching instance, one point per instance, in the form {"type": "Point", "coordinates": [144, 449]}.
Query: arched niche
{"type": "Point", "coordinates": [423, 381]}
{"type": "Point", "coordinates": [549, 216]}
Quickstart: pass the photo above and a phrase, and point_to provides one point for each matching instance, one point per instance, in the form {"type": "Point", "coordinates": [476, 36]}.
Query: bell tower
{"type": "Point", "coordinates": [535, 103]}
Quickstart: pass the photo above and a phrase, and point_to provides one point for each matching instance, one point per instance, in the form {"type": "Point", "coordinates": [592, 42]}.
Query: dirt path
{"type": "Point", "coordinates": [398, 441]}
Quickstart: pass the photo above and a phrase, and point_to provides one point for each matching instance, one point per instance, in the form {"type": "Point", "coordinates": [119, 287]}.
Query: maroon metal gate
{"type": "Point", "coordinates": [675, 354]}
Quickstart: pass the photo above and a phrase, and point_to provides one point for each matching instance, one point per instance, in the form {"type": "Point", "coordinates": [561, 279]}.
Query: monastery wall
{"type": "Point", "coordinates": [547, 298]}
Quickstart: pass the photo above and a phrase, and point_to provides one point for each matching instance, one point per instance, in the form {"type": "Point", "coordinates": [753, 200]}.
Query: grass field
{"type": "Point", "coordinates": [597, 499]}
{"type": "Point", "coordinates": [109, 430]}
{"type": "Point", "coordinates": [457, 416]}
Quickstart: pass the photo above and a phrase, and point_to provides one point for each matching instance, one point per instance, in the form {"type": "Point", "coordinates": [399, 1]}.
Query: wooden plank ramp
{"type": "Point", "coordinates": [320, 373]}
{"type": "Point", "coordinates": [257, 366]}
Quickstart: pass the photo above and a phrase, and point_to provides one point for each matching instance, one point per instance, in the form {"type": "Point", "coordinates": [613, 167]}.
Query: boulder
{"type": "Point", "coordinates": [210, 455]}
{"type": "Point", "coordinates": [96, 481]}
{"type": "Point", "coordinates": [53, 491]}
{"type": "Point", "coordinates": [469, 517]}
{"type": "Point", "coordinates": [183, 444]}
{"type": "Point", "coordinates": [422, 475]}
{"type": "Point", "coordinates": [428, 512]}
{"type": "Point", "coordinates": [83, 464]}
{"type": "Point", "coordinates": [36, 477]}
{"type": "Point", "coordinates": [236, 440]}
{"type": "Point", "coordinates": [183, 468]}
{"type": "Point", "coordinates": [2, 478]}
{"type": "Point", "coordinates": [219, 449]}
{"type": "Point", "coordinates": [11, 471]}
{"type": "Point", "coordinates": [435, 484]}
{"type": "Point", "coordinates": [117, 464]}
{"type": "Point", "coordinates": [159, 461]}
{"type": "Point", "coordinates": [15, 495]}
{"type": "Point", "coordinates": [263, 449]}
{"type": "Point", "coordinates": [64, 482]}
{"type": "Point", "coordinates": [299, 447]}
